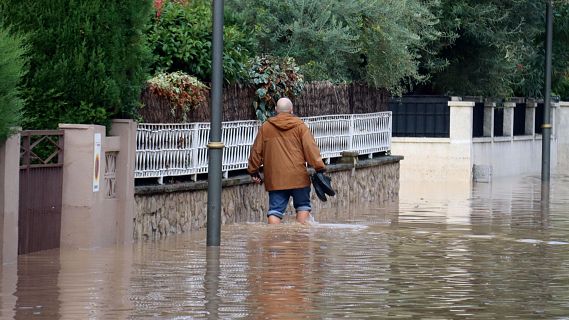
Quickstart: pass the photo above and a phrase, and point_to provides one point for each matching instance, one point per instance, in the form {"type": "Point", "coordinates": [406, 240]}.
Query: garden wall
{"type": "Point", "coordinates": [162, 210]}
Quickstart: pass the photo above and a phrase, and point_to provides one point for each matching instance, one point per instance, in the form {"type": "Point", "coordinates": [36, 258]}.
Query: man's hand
{"type": "Point", "coordinates": [256, 178]}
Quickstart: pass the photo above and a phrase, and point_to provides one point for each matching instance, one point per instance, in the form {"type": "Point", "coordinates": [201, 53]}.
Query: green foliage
{"type": "Point", "coordinates": [561, 88]}
{"type": "Point", "coordinates": [496, 47]}
{"type": "Point", "coordinates": [310, 31]}
{"type": "Point", "coordinates": [11, 69]}
{"type": "Point", "coordinates": [273, 78]}
{"type": "Point", "coordinates": [378, 41]}
{"type": "Point", "coordinates": [88, 58]}
{"type": "Point", "coordinates": [182, 90]}
{"type": "Point", "coordinates": [561, 50]}
{"type": "Point", "coordinates": [394, 36]}
{"type": "Point", "coordinates": [181, 36]}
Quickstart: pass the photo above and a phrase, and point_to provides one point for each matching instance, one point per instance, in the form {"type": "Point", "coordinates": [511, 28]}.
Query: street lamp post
{"type": "Point", "coordinates": [546, 132]}
{"type": "Point", "coordinates": [215, 146]}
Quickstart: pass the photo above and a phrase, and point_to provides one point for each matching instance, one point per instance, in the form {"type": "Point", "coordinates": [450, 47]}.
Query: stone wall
{"type": "Point", "coordinates": [170, 209]}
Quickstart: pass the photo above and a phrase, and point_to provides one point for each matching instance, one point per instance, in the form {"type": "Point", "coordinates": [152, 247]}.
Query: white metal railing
{"type": "Point", "coordinates": [164, 150]}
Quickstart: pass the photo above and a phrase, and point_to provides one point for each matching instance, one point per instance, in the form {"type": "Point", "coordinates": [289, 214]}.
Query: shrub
{"type": "Point", "coordinates": [88, 59]}
{"type": "Point", "coordinates": [377, 41]}
{"type": "Point", "coordinates": [11, 69]}
{"type": "Point", "coordinates": [180, 38]}
{"type": "Point", "coordinates": [273, 78]}
{"type": "Point", "coordinates": [183, 91]}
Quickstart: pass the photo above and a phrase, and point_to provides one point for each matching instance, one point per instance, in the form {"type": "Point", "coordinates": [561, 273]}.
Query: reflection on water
{"type": "Point", "coordinates": [488, 251]}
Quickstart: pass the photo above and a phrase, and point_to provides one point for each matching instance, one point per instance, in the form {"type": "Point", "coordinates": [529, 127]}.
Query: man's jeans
{"type": "Point", "coordinates": [278, 201]}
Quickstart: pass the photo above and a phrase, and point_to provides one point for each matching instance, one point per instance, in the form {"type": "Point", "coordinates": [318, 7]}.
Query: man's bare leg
{"type": "Point", "coordinates": [302, 216]}
{"type": "Point", "coordinates": [274, 220]}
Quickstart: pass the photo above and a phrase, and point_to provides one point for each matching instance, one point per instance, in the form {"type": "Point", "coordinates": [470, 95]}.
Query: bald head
{"type": "Point", "coordinates": [284, 105]}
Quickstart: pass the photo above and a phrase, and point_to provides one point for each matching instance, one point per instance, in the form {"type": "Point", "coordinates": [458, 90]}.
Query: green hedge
{"type": "Point", "coordinates": [11, 68]}
{"type": "Point", "coordinates": [88, 58]}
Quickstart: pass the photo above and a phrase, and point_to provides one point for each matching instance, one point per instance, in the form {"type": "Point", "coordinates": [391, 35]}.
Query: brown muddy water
{"type": "Point", "coordinates": [488, 251]}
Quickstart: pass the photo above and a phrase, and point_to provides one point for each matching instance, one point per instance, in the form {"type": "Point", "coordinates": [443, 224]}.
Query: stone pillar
{"type": "Point", "coordinates": [531, 106]}
{"type": "Point", "coordinates": [461, 113]}
{"type": "Point", "coordinates": [509, 119]}
{"type": "Point", "coordinates": [461, 117]}
{"type": "Point", "coordinates": [9, 198]}
{"type": "Point", "coordinates": [84, 221]}
{"type": "Point", "coordinates": [489, 118]}
{"type": "Point", "coordinates": [562, 125]}
{"type": "Point", "coordinates": [126, 158]}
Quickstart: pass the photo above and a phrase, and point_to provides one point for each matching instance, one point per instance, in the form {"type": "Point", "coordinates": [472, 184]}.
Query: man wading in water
{"type": "Point", "coordinates": [282, 147]}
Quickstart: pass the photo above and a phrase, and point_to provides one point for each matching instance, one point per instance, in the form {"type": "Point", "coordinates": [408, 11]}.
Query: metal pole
{"type": "Point", "coordinates": [215, 146]}
{"type": "Point", "coordinates": [211, 284]}
{"type": "Point", "coordinates": [546, 132]}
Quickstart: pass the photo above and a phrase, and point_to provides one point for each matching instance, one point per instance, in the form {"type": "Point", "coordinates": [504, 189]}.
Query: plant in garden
{"type": "Point", "coordinates": [88, 59]}
{"type": "Point", "coordinates": [274, 78]}
{"type": "Point", "coordinates": [11, 69]}
{"type": "Point", "coordinates": [313, 32]}
{"type": "Point", "coordinates": [378, 41]}
{"type": "Point", "coordinates": [180, 37]}
{"type": "Point", "coordinates": [183, 91]}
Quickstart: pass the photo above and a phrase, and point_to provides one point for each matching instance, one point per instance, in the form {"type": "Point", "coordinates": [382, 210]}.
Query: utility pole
{"type": "Point", "coordinates": [546, 132]}
{"type": "Point", "coordinates": [215, 146]}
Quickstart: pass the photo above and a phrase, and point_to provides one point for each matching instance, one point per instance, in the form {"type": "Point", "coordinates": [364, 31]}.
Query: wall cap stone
{"type": "Point", "coordinates": [75, 126]}
{"type": "Point", "coordinates": [461, 104]}
{"type": "Point", "coordinates": [246, 179]}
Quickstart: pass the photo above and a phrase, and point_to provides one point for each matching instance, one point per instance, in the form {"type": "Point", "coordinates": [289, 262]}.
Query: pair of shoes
{"type": "Point", "coordinates": [322, 185]}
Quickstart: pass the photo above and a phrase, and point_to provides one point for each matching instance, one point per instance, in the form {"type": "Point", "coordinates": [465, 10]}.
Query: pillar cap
{"type": "Point", "coordinates": [461, 104]}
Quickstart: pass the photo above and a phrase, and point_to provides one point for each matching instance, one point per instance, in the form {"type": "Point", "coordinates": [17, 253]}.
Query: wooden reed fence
{"type": "Point", "coordinates": [317, 99]}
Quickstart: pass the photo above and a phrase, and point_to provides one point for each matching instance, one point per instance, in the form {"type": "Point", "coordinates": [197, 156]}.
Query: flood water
{"type": "Point", "coordinates": [487, 251]}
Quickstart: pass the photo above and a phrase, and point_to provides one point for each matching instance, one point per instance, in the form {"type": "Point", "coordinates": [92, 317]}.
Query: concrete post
{"type": "Point", "coordinates": [9, 198]}
{"type": "Point", "coordinates": [84, 222]}
{"type": "Point", "coordinates": [489, 118]}
{"type": "Point", "coordinates": [461, 117]}
{"type": "Point", "coordinates": [509, 119]}
{"type": "Point", "coordinates": [126, 159]}
{"type": "Point", "coordinates": [531, 106]}
{"type": "Point", "coordinates": [9, 285]}
{"type": "Point", "coordinates": [562, 125]}
{"type": "Point", "coordinates": [461, 113]}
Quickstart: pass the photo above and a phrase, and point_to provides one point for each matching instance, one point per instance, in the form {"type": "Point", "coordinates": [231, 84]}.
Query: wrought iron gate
{"type": "Point", "coordinates": [41, 180]}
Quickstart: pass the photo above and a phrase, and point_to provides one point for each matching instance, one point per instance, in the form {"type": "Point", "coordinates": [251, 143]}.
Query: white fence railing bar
{"type": "Point", "coordinates": [164, 150]}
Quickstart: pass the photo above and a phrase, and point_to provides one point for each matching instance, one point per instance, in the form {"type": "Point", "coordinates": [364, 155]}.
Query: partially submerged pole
{"type": "Point", "coordinates": [215, 146]}
{"type": "Point", "coordinates": [546, 132]}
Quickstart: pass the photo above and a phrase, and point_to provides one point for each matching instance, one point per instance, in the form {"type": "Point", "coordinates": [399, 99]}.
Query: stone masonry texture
{"type": "Point", "coordinates": [163, 211]}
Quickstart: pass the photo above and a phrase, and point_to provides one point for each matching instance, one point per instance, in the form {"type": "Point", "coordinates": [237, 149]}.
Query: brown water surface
{"type": "Point", "coordinates": [488, 251]}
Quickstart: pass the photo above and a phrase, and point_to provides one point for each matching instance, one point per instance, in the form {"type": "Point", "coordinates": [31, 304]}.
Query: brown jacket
{"type": "Point", "coordinates": [283, 146]}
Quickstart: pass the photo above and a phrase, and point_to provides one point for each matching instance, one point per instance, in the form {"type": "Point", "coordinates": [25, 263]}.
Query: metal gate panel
{"type": "Point", "coordinates": [41, 181]}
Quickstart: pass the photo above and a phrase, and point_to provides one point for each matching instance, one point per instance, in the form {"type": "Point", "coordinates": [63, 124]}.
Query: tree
{"type": "Point", "coordinates": [378, 41]}
{"type": "Point", "coordinates": [394, 36]}
{"type": "Point", "coordinates": [11, 69]}
{"type": "Point", "coordinates": [496, 48]}
{"type": "Point", "coordinates": [88, 58]}
{"type": "Point", "coordinates": [560, 50]}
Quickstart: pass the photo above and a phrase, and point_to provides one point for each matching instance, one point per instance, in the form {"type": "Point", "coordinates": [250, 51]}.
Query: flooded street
{"type": "Point", "coordinates": [488, 251]}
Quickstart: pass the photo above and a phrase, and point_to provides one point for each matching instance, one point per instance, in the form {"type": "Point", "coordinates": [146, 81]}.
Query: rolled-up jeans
{"type": "Point", "coordinates": [278, 201]}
